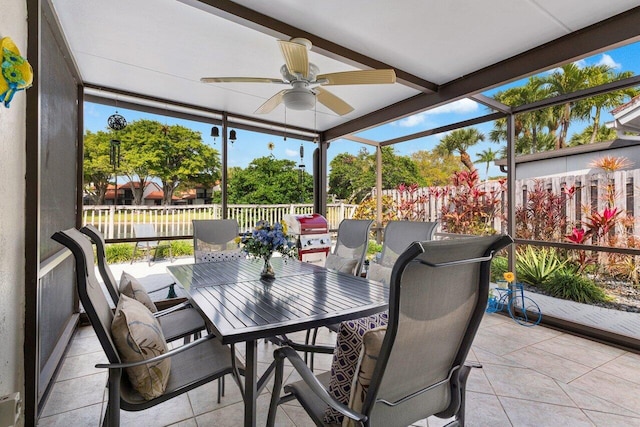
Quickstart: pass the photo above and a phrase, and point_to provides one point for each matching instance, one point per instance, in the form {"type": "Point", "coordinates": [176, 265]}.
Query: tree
{"type": "Point", "coordinates": [97, 168]}
{"type": "Point", "coordinates": [487, 156]}
{"type": "Point", "coordinates": [567, 79]}
{"type": "Point", "coordinates": [586, 136]}
{"type": "Point", "coordinates": [267, 180]}
{"type": "Point", "coordinates": [139, 141]}
{"type": "Point", "coordinates": [436, 169]}
{"type": "Point", "coordinates": [180, 156]}
{"type": "Point", "coordinates": [352, 177]}
{"type": "Point", "coordinates": [459, 141]}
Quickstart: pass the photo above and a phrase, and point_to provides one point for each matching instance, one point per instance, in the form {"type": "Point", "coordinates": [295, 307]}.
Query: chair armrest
{"type": "Point", "coordinates": [471, 364]}
{"type": "Point", "coordinates": [171, 309]}
{"type": "Point", "coordinates": [314, 385]}
{"type": "Point", "coordinates": [283, 340]}
{"type": "Point", "coordinates": [156, 358]}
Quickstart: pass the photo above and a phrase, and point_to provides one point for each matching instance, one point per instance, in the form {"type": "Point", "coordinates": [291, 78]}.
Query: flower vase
{"type": "Point", "coordinates": [267, 272]}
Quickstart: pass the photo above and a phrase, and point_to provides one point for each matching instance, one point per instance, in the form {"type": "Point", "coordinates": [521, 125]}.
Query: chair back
{"type": "Point", "coordinates": [437, 298]}
{"type": "Point", "coordinates": [217, 233]}
{"type": "Point", "coordinates": [89, 290]}
{"type": "Point", "coordinates": [398, 235]}
{"type": "Point", "coordinates": [353, 240]}
{"type": "Point", "coordinates": [101, 256]}
{"type": "Point", "coordinates": [145, 230]}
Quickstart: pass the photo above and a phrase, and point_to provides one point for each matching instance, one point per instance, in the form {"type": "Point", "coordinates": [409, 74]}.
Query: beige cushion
{"type": "Point", "coordinates": [371, 344]}
{"type": "Point", "coordinates": [138, 336]}
{"type": "Point", "coordinates": [131, 287]}
{"type": "Point", "coordinates": [379, 273]}
{"type": "Point", "coordinates": [343, 265]}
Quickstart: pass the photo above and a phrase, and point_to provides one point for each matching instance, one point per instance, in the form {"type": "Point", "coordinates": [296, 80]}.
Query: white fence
{"type": "Point", "coordinates": [116, 222]}
{"type": "Point", "coordinates": [588, 195]}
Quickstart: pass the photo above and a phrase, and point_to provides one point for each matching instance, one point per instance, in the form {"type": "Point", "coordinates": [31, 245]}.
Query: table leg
{"type": "Point", "coordinates": [250, 384]}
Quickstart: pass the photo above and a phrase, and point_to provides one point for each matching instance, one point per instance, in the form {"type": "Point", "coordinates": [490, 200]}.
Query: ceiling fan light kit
{"type": "Point", "coordinates": [305, 81]}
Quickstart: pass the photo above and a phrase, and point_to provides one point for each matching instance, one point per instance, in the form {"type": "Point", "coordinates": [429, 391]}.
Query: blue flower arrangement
{"type": "Point", "coordinates": [265, 239]}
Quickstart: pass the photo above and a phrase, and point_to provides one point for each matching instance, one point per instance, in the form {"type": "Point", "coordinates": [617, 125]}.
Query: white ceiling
{"type": "Point", "coordinates": [161, 48]}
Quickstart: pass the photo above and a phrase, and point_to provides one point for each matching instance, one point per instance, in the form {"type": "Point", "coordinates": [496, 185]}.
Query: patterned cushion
{"type": "Point", "coordinates": [217, 256]}
{"type": "Point", "coordinates": [343, 265]}
{"type": "Point", "coordinates": [379, 273]}
{"type": "Point", "coordinates": [138, 336]}
{"type": "Point", "coordinates": [371, 344]}
{"type": "Point", "coordinates": [345, 359]}
{"type": "Point", "coordinates": [131, 287]}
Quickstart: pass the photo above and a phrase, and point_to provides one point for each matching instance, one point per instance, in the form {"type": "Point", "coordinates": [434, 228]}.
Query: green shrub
{"type": "Point", "coordinates": [499, 266]}
{"type": "Point", "coordinates": [373, 248]}
{"type": "Point", "coordinates": [118, 252]}
{"type": "Point", "coordinates": [536, 265]}
{"type": "Point", "coordinates": [566, 284]}
{"type": "Point", "coordinates": [178, 248]}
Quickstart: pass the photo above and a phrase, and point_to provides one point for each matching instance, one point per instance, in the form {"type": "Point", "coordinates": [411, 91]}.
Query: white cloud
{"type": "Point", "coordinates": [291, 153]}
{"type": "Point", "coordinates": [608, 61]}
{"type": "Point", "coordinates": [458, 107]}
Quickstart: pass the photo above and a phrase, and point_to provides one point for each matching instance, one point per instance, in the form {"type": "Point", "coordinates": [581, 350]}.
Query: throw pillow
{"type": "Point", "coordinates": [131, 287]}
{"type": "Point", "coordinates": [138, 336]}
{"type": "Point", "coordinates": [343, 265]}
{"type": "Point", "coordinates": [345, 359]}
{"type": "Point", "coordinates": [379, 273]}
{"type": "Point", "coordinates": [371, 344]}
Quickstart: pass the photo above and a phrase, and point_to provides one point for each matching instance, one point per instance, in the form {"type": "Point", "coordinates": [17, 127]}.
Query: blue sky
{"type": "Point", "coordinates": [626, 58]}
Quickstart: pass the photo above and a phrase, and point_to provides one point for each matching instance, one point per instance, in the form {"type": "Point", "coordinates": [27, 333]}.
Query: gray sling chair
{"type": "Point", "coordinates": [213, 240]}
{"type": "Point", "coordinates": [192, 365]}
{"type": "Point", "coordinates": [437, 298]}
{"type": "Point", "coordinates": [398, 235]}
{"type": "Point", "coordinates": [147, 231]}
{"type": "Point", "coordinates": [179, 321]}
{"type": "Point", "coordinates": [348, 257]}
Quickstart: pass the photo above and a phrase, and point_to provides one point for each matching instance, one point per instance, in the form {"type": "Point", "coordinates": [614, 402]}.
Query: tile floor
{"type": "Point", "coordinates": [530, 377]}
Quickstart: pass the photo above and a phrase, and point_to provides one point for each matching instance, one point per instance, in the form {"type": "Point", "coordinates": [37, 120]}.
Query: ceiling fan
{"type": "Point", "coordinates": [306, 83]}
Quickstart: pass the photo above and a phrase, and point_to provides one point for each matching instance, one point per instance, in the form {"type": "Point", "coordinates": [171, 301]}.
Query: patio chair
{"type": "Point", "coordinates": [214, 240]}
{"type": "Point", "coordinates": [415, 367]}
{"type": "Point", "coordinates": [398, 235]}
{"type": "Point", "coordinates": [192, 365]}
{"type": "Point", "coordinates": [179, 321]}
{"type": "Point", "coordinates": [147, 231]}
{"type": "Point", "coordinates": [352, 243]}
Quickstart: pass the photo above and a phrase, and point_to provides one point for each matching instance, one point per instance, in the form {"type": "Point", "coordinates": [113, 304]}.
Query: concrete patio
{"type": "Point", "coordinates": [530, 377]}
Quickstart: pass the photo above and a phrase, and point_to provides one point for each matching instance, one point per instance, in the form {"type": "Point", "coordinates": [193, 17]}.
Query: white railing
{"type": "Point", "coordinates": [116, 222]}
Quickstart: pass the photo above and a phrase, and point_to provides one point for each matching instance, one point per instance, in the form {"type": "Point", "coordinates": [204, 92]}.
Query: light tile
{"type": "Point", "coordinates": [484, 410]}
{"type": "Point", "coordinates": [549, 364]}
{"type": "Point", "coordinates": [614, 389]}
{"type": "Point", "coordinates": [626, 366]}
{"type": "Point", "coordinates": [170, 412]}
{"type": "Point", "coordinates": [478, 382]}
{"type": "Point", "coordinates": [86, 416]}
{"type": "Point", "coordinates": [233, 415]}
{"type": "Point", "coordinates": [525, 384]}
{"type": "Point", "coordinates": [78, 346]}
{"type": "Point", "coordinates": [191, 422]}
{"type": "Point", "coordinates": [591, 400]}
{"type": "Point", "coordinates": [81, 365]}
{"type": "Point", "coordinates": [601, 419]}
{"type": "Point", "coordinates": [487, 358]}
{"type": "Point", "coordinates": [297, 414]}
{"type": "Point", "coordinates": [75, 393]}
{"type": "Point", "coordinates": [580, 350]}
{"type": "Point", "coordinates": [205, 398]}
{"type": "Point", "coordinates": [525, 413]}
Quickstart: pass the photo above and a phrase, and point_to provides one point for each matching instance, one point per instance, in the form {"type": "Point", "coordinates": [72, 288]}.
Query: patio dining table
{"type": "Point", "coordinates": [240, 307]}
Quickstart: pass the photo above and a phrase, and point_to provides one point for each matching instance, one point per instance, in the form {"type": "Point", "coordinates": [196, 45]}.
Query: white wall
{"type": "Point", "coordinates": [13, 23]}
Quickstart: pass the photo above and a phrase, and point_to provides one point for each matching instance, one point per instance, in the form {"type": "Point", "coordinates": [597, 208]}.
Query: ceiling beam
{"type": "Point", "coordinates": [491, 103]}
{"type": "Point", "coordinates": [361, 140]}
{"type": "Point", "coordinates": [265, 24]}
{"type": "Point", "coordinates": [610, 33]}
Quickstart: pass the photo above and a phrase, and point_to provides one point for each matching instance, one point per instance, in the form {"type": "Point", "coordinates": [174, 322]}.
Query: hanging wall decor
{"type": "Point", "coordinates": [17, 73]}
{"type": "Point", "coordinates": [116, 121]}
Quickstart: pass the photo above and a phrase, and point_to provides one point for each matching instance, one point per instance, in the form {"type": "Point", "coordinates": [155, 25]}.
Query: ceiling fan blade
{"type": "Point", "coordinates": [296, 58]}
{"type": "Point", "coordinates": [271, 103]}
{"type": "Point", "coordinates": [239, 80]}
{"type": "Point", "coordinates": [332, 102]}
{"type": "Point", "coordinates": [362, 77]}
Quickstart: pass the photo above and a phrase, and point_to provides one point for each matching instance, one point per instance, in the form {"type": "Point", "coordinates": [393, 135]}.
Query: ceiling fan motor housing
{"type": "Point", "coordinates": [299, 98]}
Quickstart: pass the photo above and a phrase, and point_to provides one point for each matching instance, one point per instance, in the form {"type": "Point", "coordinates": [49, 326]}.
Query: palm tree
{"type": "Point", "coordinates": [459, 141]}
{"type": "Point", "coordinates": [567, 79]}
{"type": "Point", "coordinates": [487, 156]}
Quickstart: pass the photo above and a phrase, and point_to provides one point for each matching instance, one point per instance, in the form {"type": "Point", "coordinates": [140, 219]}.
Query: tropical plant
{"type": "Point", "coordinates": [367, 209]}
{"type": "Point", "coordinates": [499, 266]}
{"type": "Point", "coordinates": [487, 156]}
{"type": "Point", "coordinates": [566, 284]}
{"type": "Point", "coordinates": [434, 168]}
{"type": "Point", "coordinates": [118, 252]}
{"type": "Point", "coordinates": [471, 208]}
{"type": "Point", "coordinates": [542, 216]}
{"type": "Point", "coordinates": [459, 141]}
{"type": "Point", "coordinates": [536, 265]}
